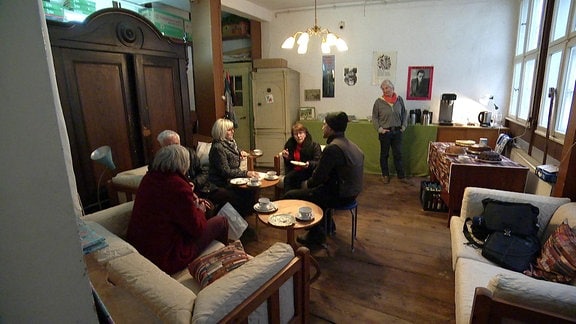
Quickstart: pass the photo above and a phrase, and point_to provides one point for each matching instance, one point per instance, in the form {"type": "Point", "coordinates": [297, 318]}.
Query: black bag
{"type": "Point", "coordinates": [511, 251]}
{"type": "Point", "coordinates": [517, 218]}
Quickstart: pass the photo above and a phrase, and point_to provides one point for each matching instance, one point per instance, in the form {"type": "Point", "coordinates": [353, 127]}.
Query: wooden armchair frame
{"type": "Point", "coordinates": [299, 269]}
{"type": "Point", "coordinates": [488, 309]}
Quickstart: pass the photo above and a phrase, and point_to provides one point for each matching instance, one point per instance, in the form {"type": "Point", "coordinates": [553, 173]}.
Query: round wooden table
{"type": "Point", "coordinates": [290, 206]}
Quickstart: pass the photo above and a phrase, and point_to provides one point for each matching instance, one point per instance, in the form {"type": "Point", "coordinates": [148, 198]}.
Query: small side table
{"type": "Point", "coordinates": [291, 206]}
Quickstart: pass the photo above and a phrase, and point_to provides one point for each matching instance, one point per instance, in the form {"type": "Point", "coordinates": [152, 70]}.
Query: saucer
{"type": "Point", "coordinates": [298, 217]}
{"type": "Point", "coordinates": [271, 178]}
{"type": "Point", "coordinates": [298, 163]}
{"type": "Point", "coordinates": [249, 184]}
{"type": "Point", "coordinates": [239, 181]}
{"type": "Point", "coordinates": [271, 208]}
{"type": "Point", "coordinates": [281, 220]}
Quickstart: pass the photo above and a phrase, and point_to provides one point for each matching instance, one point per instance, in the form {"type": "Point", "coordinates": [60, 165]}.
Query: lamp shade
{"type": "Point", "coordinates": [103, 155]}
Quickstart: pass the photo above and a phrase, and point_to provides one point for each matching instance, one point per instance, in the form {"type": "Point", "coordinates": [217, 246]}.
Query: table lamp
{"type": "Point", "coordinates": [103, 155]}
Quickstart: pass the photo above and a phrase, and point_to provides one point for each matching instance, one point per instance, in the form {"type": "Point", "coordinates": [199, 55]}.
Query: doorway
{"type": "Point", "coordinates": [242, 94]}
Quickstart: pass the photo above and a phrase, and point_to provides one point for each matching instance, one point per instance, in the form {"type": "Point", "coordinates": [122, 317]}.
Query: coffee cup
{"type": "Point", "coordinates": [305, 212]}
{"type": "Point", "coordinates": [264, 202]}
{"type": "Point", "coordinates": [271, 174]}
{"type": "Point", "coordinates": [254, 181]}
{"type": "Point", "coordinates": [483, 141]}
{"type": "Point", "coordinates": [257, 152]}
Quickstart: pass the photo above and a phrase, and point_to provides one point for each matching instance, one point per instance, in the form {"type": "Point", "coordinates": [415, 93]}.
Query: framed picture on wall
{"type": "Point", "coordinates": [307, 113]}
{"type": "Point", "coordinates": [419, 82]}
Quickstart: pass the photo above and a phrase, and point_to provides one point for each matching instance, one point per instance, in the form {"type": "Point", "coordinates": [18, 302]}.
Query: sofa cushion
{"type": "Point", "coordinates": [184, 277]}
{"type": "Point", "coordinates": [116, 248]}
{"type": "Point", "coordinates": [130, 178]}
{"type": "Point", "coordinates": [210, 267]}
{"type": "Point", "coordinates": [539, 294]}
{"type": "Point", "coordinates": [222, 296]}
{"type": "Point", "coordinates": [166, 297]}
{"type": "Point", "coordinates": [557, 260]}
{"type": "Point", "coordinates": [202, 152]}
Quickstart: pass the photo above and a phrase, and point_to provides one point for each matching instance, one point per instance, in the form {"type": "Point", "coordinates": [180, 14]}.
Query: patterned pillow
{"type": "Point", "coordinates": [557, 261]}
{"type": "Point", "coordinates": [208, 268]}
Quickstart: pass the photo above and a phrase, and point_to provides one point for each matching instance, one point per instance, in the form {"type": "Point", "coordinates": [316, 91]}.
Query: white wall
{"type": "Point", "coordinates": [42, 275]}
{"type": "Point", "coordinates": [470, 43]}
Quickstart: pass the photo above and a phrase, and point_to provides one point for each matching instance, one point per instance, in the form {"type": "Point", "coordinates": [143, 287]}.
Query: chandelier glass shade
{"type": "Point", "coordinates": [328, 38]}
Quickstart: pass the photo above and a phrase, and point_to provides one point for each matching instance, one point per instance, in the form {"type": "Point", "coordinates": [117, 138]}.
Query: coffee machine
{"type": "Point", "coordinates": [446, 109]}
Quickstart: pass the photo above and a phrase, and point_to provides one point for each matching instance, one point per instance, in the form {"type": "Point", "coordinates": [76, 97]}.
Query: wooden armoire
{"type": "Point", "coordinates": [120, 83]}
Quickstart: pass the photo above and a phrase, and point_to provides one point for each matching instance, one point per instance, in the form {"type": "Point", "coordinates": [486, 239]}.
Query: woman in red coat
{"type": "Point", "coordinates": [168, 225]}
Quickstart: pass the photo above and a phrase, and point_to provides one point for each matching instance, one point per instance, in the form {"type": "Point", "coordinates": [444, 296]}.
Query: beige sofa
{"type": "Point", "coordinates": [473, 270]}
{"type": "Point", "coordinates": [272, 286]}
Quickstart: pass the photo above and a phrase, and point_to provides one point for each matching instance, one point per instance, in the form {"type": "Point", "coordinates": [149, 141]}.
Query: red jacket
{"type": "Point", "coordinates": [165, 221]}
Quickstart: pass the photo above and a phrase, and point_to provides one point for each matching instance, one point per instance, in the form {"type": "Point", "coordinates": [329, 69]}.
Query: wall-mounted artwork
{"type": "Point", "coordinates": [350, 76]}
{"type": "Point", "coordinates": [307, 113]}
{"type": "Point", "coordinates": [383, 67]}
{"type": "Point", "coordinates": [311, 94]}
{"type": "Point", "coordinates": [419, 82]}
{"type": "Point", "coordinates": [328, 71]}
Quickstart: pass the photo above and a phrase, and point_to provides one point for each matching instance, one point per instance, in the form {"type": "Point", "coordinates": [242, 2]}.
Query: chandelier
{"type": "Point", "coordinates": [329, 39]}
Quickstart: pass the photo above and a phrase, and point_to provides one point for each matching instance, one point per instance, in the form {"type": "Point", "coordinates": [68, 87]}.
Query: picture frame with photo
{"type": "Point", "coordinates": [419, 85]}
{"type": "Point", "coordinates": [307, 113]}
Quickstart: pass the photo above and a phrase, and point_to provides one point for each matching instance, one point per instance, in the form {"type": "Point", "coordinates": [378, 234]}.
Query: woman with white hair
{"type": "Point", "coordinates": [168, 224]}
{"type": "Point", "coordinates": [389, 119]}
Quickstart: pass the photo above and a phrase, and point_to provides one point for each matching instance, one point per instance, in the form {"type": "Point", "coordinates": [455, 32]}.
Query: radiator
{"type": "Point", "coordinates": [534, 185]}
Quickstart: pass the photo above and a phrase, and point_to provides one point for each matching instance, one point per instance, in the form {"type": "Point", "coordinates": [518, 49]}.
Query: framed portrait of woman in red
{"type": "Point", "coordinates": [419, 85]}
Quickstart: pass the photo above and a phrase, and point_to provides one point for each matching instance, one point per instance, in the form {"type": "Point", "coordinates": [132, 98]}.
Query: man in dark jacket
{"type": "Point", "coordinates": [338, 178]}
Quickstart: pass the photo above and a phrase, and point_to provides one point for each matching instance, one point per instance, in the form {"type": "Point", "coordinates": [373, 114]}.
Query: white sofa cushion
{"type": "Point", "coordinates": [166, 297]}
{"type": "Point", "coordinates": [202, 152]}
{"type": "Point", "coordinates": [539, 294]}
{"type": "Point", "coordinates": [130, 178]}
{"type": "Point", "coordinates": [223, 295]}
{"type": "Point", "coordinates": [116, 248]}
{"type": "Point", "coordinates": [115, 219]}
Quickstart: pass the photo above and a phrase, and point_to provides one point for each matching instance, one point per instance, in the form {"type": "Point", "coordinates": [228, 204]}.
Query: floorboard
{"type": "Point", "coordinates": [400, 271]}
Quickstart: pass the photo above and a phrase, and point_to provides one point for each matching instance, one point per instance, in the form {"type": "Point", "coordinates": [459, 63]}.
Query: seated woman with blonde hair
{"type": "Point", "coordinates": [225, 159]}
{"type": "Point", "coordinates": [168, 224]}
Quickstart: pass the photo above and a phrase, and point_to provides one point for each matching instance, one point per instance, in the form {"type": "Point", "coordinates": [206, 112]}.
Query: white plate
{"type": "Point", "coordinates": [298, 163]}
{"type": "Point", "coordinates": [271, 178]}
{"type": "Point", "coordinates": [249, 184]}
{"type": "Point", "coordinates": [262, 175]}
{"type": "Point", "coordinates": [298, 217]}
{"type": "Point", "coordinates": [239, 181]}
{"type": "Point", "coordinates": [281, 220]}
{"type": "Point", "coordinates": [271, 208]}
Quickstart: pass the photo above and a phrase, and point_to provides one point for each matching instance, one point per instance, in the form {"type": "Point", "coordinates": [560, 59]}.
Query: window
{"type": "Point", "coordinates": [560, 69]}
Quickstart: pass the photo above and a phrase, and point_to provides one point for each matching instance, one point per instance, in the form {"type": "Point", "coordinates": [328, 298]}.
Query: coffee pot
{"type": "Point", "coordinates": [485, 118]}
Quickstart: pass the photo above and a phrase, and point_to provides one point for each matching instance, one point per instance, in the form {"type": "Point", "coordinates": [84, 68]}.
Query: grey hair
{"type": "Point", "coordinates": [388, 83]}
{"type": "Point", "coordinates": [220, 127]}
{"type": "Point", "coordinates": [171, 158]}
{"type": "Point", "coordinates": [167, 137]}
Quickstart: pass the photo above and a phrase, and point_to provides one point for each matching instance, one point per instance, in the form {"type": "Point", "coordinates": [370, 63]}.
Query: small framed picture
{"type": "Point", "coordinates": [419, 82]}
{"type": "Point", "coordinates": [307, 113]}
{"type": "Point", "coordinates": [312, 95]}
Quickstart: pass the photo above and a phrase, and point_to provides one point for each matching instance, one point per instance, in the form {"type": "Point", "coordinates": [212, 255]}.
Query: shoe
{"type": "Point", "coordinates": [386, 179]}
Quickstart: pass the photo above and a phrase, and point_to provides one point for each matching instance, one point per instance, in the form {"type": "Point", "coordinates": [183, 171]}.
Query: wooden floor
{"type": "Point", "coordinates": [400, 271]}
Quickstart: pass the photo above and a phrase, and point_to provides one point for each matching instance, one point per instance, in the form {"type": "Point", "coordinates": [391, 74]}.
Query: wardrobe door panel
{"type": "Point", "coordinates": [160, 99]}
{"type": "Point", "coordinates": [99, 112]}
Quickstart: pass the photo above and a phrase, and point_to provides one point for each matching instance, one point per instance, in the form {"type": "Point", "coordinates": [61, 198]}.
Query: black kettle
{"type": "Point", "coordinates": [485, 118]}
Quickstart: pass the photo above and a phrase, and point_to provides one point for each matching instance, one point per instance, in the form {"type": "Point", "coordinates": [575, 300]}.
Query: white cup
{"type": "Point", "coordinates": [271, 174]}
{"type": "Point", "coordinates": [264, 202]}
{"type": "Point", "coordinates": [257, 151]}
{"type": "Point", "coordinates": [305, 212]}
{"type": "Point", "coordinates": [254, 181]}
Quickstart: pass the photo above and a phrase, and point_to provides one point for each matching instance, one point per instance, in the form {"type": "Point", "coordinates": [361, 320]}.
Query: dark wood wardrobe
{"type": "Point", "coordinates": [120, 84]}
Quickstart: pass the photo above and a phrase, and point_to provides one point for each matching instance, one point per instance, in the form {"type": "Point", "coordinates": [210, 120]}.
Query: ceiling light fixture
{"type": "Point", "coordinates": [328, 38]}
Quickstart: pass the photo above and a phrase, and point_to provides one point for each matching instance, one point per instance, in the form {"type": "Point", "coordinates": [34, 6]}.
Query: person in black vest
{"type": "Point", "coordinates": [337, 179]}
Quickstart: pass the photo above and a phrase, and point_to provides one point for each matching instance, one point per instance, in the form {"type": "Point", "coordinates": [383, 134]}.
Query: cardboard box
{"type": "Point", "coordinates": [168, 24]}
{"type": "Point", "coordinates": [269, 63]}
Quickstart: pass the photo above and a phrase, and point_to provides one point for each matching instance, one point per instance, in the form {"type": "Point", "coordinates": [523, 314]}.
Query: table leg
{"type": "Point", "coordinates": [291, 238]}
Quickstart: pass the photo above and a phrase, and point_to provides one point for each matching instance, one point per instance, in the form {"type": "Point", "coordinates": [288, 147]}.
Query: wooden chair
{"type": "Point", "coordinates": [488, 309]}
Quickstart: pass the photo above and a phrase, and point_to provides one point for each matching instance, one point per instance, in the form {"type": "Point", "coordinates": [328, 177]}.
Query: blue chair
{"type": "Point", "coordinates": [330, 225]}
